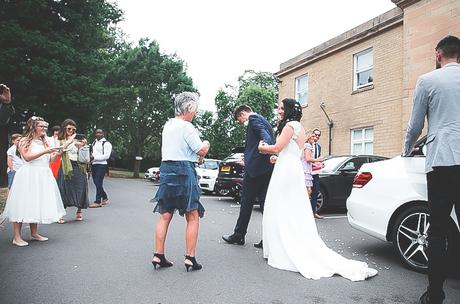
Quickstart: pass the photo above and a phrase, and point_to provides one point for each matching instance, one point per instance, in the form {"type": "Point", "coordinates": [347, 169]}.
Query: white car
{"type": "Point", "coordinates": [389, 202]}
{"type": "Point", "coordinates": [207, 174]}
{"type": "Point", "coordinates": [151, 173]}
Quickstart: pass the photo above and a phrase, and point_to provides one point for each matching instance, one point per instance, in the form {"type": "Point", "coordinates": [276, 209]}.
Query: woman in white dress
{"type": "Point", "coordinates": [290, 237]}
{"type": "Point", "coordinates": [34, 196]}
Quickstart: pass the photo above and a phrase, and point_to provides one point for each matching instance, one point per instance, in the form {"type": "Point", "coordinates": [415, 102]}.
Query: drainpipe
{"type": "Point", "coordinates": [329, 123]}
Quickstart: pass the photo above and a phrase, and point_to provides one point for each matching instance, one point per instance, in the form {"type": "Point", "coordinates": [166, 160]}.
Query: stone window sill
{"type": "Point", "coordinates": [363, 89]}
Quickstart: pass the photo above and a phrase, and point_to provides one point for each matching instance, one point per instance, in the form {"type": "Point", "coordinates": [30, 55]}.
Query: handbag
{"type": "Point", "coordinates": [84, 156]}
{"type": "Point", "coordinates": [316, 169]}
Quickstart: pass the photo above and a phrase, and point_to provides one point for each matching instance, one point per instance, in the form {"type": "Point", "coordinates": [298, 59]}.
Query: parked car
{"type": "Point", "coordinates": [389, 202]}
{"type": "Point", "coordinates": [153, 174]}
{"type": "Point", "coordinates": [336, 179]}
{"type": "Point", "coordinates": [230, 176]}
{"type": "Point", "coordinates": [207, 174]}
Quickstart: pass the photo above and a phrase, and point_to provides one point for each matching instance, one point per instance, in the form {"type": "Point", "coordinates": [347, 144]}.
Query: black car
{"type": "Point", "coordinates": [230, 178]}
{"type": "Point", "coordinates": [336, 179]}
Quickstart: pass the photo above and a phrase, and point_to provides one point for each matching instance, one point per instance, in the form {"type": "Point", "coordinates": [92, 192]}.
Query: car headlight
{"type": "Point", "coordinates": [206, 177]}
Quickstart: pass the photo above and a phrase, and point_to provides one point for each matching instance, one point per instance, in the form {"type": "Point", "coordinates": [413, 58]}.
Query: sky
{"type": "Point", "coordinates": [219, 40]}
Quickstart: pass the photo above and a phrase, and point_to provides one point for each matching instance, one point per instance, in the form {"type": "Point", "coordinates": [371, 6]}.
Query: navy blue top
{"type": "Point", "coordinates": [259, 129]}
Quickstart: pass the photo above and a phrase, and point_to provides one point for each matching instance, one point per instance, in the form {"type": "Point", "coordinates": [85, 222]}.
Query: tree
{"type": "Point", "coordinates": [256, 89]}
{"type": "Point", "coordinates": [53, 56]}
{"type": "Point", "coordinates": [142, 83]}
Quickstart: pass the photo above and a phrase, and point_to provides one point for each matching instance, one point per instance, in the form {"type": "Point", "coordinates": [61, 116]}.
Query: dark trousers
{"type": "Point", "coordinates": [253, 187]}
{"type": "Point", "coordinates": [98, 172]}
{"type": "Point", "coordinates": [443, 194]}
{"type": "Point", "coordinates": [314, 192]}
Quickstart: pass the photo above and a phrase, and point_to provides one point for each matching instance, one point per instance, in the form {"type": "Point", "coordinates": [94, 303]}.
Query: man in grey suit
{"type": "Point", "coordinates": [437, 97]}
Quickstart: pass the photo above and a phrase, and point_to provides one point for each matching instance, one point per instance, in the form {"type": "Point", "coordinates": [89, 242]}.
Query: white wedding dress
{"type": "Point", "coordinates": [34, 195]}
{"type": "Point", "coordinates": [290, 237]}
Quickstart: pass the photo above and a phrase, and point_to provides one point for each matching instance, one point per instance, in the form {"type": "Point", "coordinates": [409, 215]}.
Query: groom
{"type": "Point", "coordinates": [257, 170]}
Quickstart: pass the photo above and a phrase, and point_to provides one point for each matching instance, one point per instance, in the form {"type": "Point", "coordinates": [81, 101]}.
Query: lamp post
{"type": "Point", "coordinates": [329, 123]}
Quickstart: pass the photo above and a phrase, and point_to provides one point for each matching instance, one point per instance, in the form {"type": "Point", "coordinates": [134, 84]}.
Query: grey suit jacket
{"type": "Point", "coordinates": [437, 97]}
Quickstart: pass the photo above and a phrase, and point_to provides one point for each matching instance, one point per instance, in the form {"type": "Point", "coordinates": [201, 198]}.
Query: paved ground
{"type": "Point", "coordinates": [106, 259]}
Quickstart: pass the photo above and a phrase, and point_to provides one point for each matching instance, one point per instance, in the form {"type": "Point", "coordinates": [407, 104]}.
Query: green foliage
{"type": "Point", "coordinates": [142, 82]}
{"type": "Point", "coordinates": [53, 55]}
{"type": "Point", "coordinates": [256, 89]}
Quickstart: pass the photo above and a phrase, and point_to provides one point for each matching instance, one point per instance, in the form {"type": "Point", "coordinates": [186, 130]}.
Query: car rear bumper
{"type": "Point", "coordinates": [233, 185]}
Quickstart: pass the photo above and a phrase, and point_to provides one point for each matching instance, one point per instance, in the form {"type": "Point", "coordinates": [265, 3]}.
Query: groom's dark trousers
{"type": "Point", "coordinates": [257, 169]}
{"type": "Point", "coordinates": [253, 187]}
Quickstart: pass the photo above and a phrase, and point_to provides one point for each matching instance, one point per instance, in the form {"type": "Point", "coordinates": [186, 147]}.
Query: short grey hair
{"type": "Point", "coordinates": [185, 102]}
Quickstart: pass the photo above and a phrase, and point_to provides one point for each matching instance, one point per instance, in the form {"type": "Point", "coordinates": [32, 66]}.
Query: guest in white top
{"type": "Point", "coordinates": [181, 148]}
{"type": "Point", "coordinates": [14, 159]}
{"type": "Point", "coordinates": [102, 149]}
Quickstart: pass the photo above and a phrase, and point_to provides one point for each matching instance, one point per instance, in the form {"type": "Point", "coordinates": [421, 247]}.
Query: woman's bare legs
{"type": "Point", "coordinates": [17, 238]}
{"type": "Point", "coordinates": [161, 231]}
{"type": "Point", "coordinates": [191, 232]}
{"type": "Point", "coordinates": [34, 233]}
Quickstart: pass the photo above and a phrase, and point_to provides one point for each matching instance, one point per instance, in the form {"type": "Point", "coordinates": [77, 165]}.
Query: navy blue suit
{"type": "Point", "coordinates": [257, 169]}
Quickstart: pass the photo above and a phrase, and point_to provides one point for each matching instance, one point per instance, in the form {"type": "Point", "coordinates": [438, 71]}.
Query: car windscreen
{"type": "Point", "coordinates": [332, 163]}
{"type": "Point", "coordinates": [209, 164]}
{"type": "Point", "coordinates": [235, 157]}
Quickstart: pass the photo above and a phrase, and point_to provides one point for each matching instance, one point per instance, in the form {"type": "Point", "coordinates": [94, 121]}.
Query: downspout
{"type": "Point", "coordinates": [330, 124]}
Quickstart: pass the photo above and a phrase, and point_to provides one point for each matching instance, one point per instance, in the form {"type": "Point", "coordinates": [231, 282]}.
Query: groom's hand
{"type": "Point", "coordinates": [273, 159]}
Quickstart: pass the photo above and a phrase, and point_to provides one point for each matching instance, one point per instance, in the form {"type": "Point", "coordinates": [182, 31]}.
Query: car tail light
{"type": "Point", "coordinates": [361, 179]}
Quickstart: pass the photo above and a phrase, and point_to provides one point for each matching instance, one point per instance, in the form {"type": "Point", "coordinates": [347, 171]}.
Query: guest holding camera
{"type": "Point", "coordinates": [72, 176]}
{"type": "Point", "coordinates": [34, 196]}
{"type": "Point", "coordinates": [180, 150]}
{"type": "Point", "coordinates": [6, 109]}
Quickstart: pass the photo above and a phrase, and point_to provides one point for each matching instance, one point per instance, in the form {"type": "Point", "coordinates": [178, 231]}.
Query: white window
{"type": "Point", "coordinates": [301, 90]}
{"type": "Point", "coordinates": [362, 141]}
{"type": "Point", "coordinates": [363, 69]}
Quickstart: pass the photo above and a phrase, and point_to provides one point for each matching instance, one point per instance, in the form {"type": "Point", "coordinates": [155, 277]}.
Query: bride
{"type": "Point", "coordinates": [290, 237]}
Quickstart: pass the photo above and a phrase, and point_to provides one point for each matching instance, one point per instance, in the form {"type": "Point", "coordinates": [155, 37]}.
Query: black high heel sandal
{"type": "Point", "coordinates": [194, 265]}
{"type": "Point", "coordinates": [163, 261]}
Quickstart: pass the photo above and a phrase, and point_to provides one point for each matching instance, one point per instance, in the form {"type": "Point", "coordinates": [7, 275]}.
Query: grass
{"type": "Point", "coordinates": [3, 192]}
{"type": "Point", "coordinates": [121, 173]}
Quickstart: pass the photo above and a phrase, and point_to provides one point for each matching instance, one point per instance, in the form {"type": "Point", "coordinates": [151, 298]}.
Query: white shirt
{"type": "Point", "coordinates": [180, 141]}
{"type": "Point", "coordinates": [17, 161]}
{"type": "Point", "coordinates": [101, 154]}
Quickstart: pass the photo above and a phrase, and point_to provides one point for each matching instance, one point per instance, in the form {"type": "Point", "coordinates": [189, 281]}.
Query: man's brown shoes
{"type": "Point", "coordinates": [95, 205]}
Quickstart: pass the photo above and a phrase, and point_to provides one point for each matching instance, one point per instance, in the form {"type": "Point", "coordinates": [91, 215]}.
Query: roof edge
{"type": "Point", "coordinates": [361, 32]}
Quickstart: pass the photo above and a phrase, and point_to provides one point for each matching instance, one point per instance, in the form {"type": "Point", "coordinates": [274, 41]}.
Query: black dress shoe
{"type": "Point", "coordinates": [259, 245]}
{"type": "Point", "coordinates": [425, 299]}
{"type": "Point", "coordinates": [235, 238]}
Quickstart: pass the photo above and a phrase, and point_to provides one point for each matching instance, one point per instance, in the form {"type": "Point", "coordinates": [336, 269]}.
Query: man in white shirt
{"type": "Point", "coordinates": [101, 150]}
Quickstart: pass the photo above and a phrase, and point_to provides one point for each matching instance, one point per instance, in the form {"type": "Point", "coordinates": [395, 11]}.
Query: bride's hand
{"type": "Point", "coordinates": [261, 146]}
{"type": "Point", "coordinates": [273, 159]}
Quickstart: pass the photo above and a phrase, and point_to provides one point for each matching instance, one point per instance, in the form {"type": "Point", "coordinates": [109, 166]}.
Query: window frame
{"type": "Point", "coordinates": [356, 71]}
{"type": "Point", "coordinates": [297, 79]}
{"type": "Point", "coordinates": [363, 141]}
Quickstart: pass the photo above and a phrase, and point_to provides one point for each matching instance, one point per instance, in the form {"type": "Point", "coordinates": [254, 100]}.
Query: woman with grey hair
{"type": "Point", "coordinates": [181, 149]}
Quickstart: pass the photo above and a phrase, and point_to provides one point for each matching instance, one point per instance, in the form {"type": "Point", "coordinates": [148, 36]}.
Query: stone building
{"type": "Point", "coordinates": [364, 78]}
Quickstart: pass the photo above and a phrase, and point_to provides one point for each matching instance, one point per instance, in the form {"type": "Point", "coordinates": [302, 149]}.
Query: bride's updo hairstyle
{"type": "Point", "coordinates": [292, 111]}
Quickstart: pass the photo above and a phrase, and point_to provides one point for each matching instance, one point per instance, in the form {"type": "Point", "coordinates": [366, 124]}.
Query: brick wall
{"type": "Point", "coordinates": [402, 53]}
{"type": "Point", "coordinates": [330, 81]}
{"type": "Point", "coordinates": [425, 23]}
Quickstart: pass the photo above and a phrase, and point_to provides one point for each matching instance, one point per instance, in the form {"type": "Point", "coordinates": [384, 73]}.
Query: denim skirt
{"type": "Point", "coordinates": [179, 189]}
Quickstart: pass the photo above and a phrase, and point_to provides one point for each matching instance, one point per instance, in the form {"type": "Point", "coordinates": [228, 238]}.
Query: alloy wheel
{"type": "Point", "coordinates": [412, 239]}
